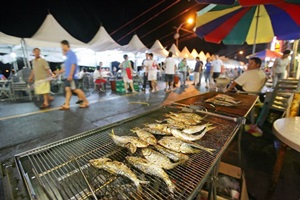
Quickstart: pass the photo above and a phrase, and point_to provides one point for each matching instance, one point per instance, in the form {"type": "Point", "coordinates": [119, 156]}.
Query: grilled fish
{"type": "Point", "coordinates": [173, 123]}
{"type": "Point", "coordinates": [193, 116]}
{"type": "Point", "coordinates": [157, 158]}
{"type": "Point", "coordinates": [115, 167]}
{"type": "Point", "coordinates": [152, 169]}
{"type": "Point", "coordinates": [155, 131]}
{"type": "Point", "coordinates": [175, 156]}
{"type": "Point", "coordinates": [195, 129]}
{"type": "Point", "coordinates": [190, 137]}
{"type": "Point", "coordinates": [130, 142]}
{"type": "Point", "coordinates": [184, 120]}
{"type": "Point", "coordinates": [145, 136]}
{"type": "Point", "coordinates": [175, 144]}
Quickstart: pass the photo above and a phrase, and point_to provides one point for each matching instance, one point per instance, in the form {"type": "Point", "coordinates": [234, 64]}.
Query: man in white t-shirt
{"type": "Point", "coordinates": [280, 66]}
{"type": "Point", "coordinates": [251, 80]}
{"type": "Point", "coordinates": [170, 68]}
{"type": "Point", "coordinates": [217, 65]}
{"type": "Point", "coordinates": [151, 67]}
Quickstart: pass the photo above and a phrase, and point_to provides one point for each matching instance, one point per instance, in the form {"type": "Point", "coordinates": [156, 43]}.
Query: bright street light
{"type": "Point", "coordinates": [241, 52]}
{"type": "Point", "coordinates": [177, 35]}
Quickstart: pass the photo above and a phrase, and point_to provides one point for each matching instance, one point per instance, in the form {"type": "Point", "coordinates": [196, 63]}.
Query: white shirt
{"type": "Point", "coordinates": [217, 65]}
{"type": "Point", "coordinates": [251, 80]}
{"type": "Point", "coordinates": [96, 74]}
{"type": "Point", "coordinates": [281, 64]}
{"type": "Point", "coordinates": [151, 65]}
{"type": "Point", "coordinates": [170, 65]}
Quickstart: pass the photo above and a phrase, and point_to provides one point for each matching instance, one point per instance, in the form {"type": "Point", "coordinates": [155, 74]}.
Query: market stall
{"type": "Point", "coordinates": [63, 170]}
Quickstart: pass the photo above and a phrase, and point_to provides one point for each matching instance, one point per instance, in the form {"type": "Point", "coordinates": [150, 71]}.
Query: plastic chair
{"type": "Point", "coordinates": [20, 86]}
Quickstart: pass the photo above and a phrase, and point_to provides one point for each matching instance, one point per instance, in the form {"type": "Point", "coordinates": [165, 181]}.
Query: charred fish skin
{"type": "Point", "coordinates": [145, 136]}
{"type": "Point", "coordinates": [115, 167]}
{"type": "Point", "coordinates": [175, 156]}
{"type": "Point", "coordinates": [157, 158]}
{"type": "Point", "coordinates": [152, 169]}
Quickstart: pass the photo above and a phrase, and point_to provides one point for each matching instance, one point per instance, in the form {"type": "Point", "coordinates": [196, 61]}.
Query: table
{"type": "Point", "coordinates": [287, 130]}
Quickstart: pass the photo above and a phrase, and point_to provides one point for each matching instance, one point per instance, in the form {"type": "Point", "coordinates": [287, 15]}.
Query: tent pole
{"type": "Point", "coordinates": [256, 27]}
{"type": "Point", "coordinates": [25, 54]}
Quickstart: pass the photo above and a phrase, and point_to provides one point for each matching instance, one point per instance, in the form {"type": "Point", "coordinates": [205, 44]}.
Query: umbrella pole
{"type": "Point", "coordinates": [256, 27]}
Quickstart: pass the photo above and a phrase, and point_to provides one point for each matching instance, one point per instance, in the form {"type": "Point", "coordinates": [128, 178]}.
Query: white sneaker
{"type": "Point", "coordinates": [134, 92]}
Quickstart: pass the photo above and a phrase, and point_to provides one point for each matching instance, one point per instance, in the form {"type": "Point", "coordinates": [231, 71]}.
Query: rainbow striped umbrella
{"type": "Point", "coordinates": [235, 24]}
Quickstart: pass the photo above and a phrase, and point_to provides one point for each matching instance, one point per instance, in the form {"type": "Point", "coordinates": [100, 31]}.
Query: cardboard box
{"type": "Point", "coordinates": [232, 172]}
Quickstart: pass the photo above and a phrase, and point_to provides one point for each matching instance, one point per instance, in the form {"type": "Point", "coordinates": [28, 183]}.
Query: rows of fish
{"type": "Point", "coordinates": [164, 145]}
{"type": "Point", "coordinates": [223, 100]}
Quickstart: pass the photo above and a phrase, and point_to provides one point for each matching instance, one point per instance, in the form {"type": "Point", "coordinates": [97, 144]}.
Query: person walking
{"type": "Point", "coordinates": [71, 81]}
{"type": "Point", "coordinates": [182, 66]}
{"type": "Point", "coordinates": [197, 71]}
{"type": "Point", "coordinates": [170, 69]}
{"type": "Point", "coordinates": [207, 72]}
{"type": "Point", "coordinates": [217, 65]}
{"type": "Point", "coordinates": [280, 66]}
{"type": "Point", "coordinates": [127, 73]}
{"type": "Point", "coordinates": [151, 67]}
{"type": "Point", "coordinates": [41, 76]}
{"type": "Point", "coordinates": [145, 75]}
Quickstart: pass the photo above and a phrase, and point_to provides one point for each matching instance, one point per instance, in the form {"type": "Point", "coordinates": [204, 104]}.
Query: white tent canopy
{"type": "Point", "coordinates": [157, 48]}
{"type": "Point", "coordinates": [9, 40]}
{"type": "Point", "coordinates": [194, 53]}
{"type": "Point", "coordinates": [185, 53]}
{"type": "Point", "coordinates": [102, 41]}
{"type": "Point", "coordinates": [135, 46]}
{"type": "Point", "coordinates": [50, 34]}
{"type": "Point", "coordinates": [202, 56]}
{"type": "Point", "coordinates": [175, 50]}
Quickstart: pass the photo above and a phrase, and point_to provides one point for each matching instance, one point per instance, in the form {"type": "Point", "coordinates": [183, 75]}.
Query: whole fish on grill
{"type": "Point", "coordinates": [197, 118]}
{"type": "Point", "coordinates": [157, 158]}
{"type": "Point", "coordinates": [175, 156]}
{"type": "Point", "coordinates": [130, 142]}
{"type": "Point", "coordinates": [184, 120]}
{"type": "Point", "coordinates": [156, 131]}
{"type": "Point", "coordinates": [145, 136]}
{"type": "Point", "coordinates": [175, 144]}
{"type": "Point", "coordinates": [115, 167]}
{"type": "Point", "coordinates": [152, 169]}
{"type": "Point", "coordinates": [173, 123]}
{"type": "Point", "coordinates": [189, 137]}
{"type": "Point", "coordinates": [195, 129]}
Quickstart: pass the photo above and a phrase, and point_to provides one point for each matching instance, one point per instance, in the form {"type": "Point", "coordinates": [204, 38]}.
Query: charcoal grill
{"type": "Point", "coordinates": [61, 170]}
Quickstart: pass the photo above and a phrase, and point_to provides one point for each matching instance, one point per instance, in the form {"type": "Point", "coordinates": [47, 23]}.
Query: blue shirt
{"type": "Point", "coordinates": [1, 76]}
{"type": "Point", "coordinates": [208, 67]}
{"type": "Point", "coordinates": [70, 60]}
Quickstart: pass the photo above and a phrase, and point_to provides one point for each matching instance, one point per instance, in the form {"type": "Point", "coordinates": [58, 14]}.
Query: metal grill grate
{"type": "Point", "coordinates": [61, 170]}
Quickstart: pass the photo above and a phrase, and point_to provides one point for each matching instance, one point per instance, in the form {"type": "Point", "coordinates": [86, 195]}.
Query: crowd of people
{"type": "Point", "coordinates": [250, 80]}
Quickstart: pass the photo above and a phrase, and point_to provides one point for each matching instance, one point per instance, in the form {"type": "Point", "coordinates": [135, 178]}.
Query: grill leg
{"type": "Point", "coordinates": [212, 191]}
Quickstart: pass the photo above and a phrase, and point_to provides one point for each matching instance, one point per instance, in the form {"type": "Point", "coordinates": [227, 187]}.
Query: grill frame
{"type": "Point", "coordinates": [81, 136]}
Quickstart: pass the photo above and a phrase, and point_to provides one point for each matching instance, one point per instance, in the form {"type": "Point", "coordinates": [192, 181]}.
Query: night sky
{"type": "Point", "coordinates": [83, 18]}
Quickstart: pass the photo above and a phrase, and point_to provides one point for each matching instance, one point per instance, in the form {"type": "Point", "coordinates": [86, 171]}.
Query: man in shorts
{"type": "Point", "coordinates": [127, 73]}
{"type": "Point", "coordinates": [41, 76]}
{"type": "Point", "coordinates": [71, 82]}
{"type": "Point", "coordinates": [170, 69]}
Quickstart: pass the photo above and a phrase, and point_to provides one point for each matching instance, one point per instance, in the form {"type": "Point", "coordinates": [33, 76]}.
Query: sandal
{"type": "Point", "coordinates": [63, 107]}
{"type": "Point", "coordinates": [84, 105]}
{"type": "Point", "coordinates": [43, 106]}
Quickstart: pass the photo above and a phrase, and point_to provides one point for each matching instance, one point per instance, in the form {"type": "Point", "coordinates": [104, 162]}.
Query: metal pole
{"type": "Point", "coordinates": [256, 27]}
{"type": "Point", "coordinates": [294, 60]}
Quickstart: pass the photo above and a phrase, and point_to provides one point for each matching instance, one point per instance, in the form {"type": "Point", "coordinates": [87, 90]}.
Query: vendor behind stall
{"type": "Point", "coordinates": [251, 80]}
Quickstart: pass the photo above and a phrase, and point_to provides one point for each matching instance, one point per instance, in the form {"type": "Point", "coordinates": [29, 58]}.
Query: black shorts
{"type": "Point", "coordinates": [71, 84]}
{"type": "Point", "coordinates": [169, 77]}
